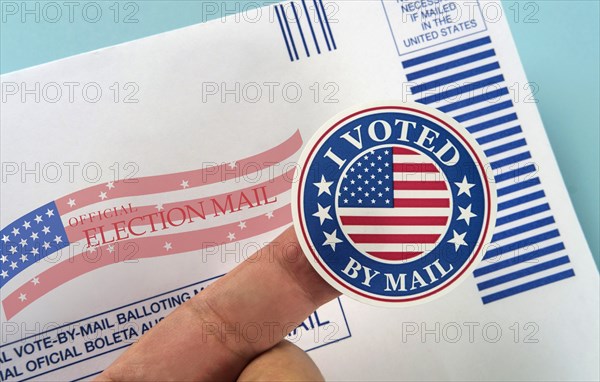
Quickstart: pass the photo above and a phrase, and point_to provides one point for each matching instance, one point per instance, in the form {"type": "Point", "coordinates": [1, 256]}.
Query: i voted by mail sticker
{"type": "Point", "coordinates": [392, 205]}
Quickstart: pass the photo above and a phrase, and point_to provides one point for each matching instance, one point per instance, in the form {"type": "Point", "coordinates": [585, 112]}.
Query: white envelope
{"type": "Point", "coordinates": [221, 109]}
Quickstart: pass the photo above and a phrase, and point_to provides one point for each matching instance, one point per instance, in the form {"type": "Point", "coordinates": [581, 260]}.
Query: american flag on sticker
{"type": "Point", "coordinates": [392, 205]}
{"type": "Point", "coordinates": [161, 215]}
{"type": "Point", "coordinates": [396, 188]}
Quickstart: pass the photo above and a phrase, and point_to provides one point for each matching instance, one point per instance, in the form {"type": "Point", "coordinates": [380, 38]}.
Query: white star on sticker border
{"type": "Point", "coordinates": [231, 236]}
{"type": "Point", "coordinates": [38, 219]}
{"type": "Point", "coordinates": [270, 215]}
{"type": "Point", "coordinates": [22, 297]}
{"type": "Point", "coordinates": [466, 214]}
{"type": "Point", "coordinates": [323, 186]}
{"type": "Point", "coordinates": [322, 213]}
{"type": "Point", "coordinates": [35, 280]}
{"type": "Point", "coordinates": [331, 239]}
{"type": "Point", "coordinates": [102, 195]}
{"type": "Point", "coordinates": [4, 274]}
{"type": "Point", "coordinates": [110, 185]}
{"type": "Point", "coordinates": [167, 246]}
{"type": "Point", "coordinates": [458, 240]}
{"type": "Point", "coordinates": [5, 238]}
{"type": "Point", "coordinates": [71, 202]}
{"type": "Point", "coordinates": [185, 183]}
{"type": "Point", "coordinates": [464, 187]}
{"type": "Point", "coordinates": [26, 225]}
{"type": "Point", "coordinates": [242, 225]}
{"type": "Point", "coordinates": [49, 212]}
{"type": "Point", "coordinates": [159, 207]}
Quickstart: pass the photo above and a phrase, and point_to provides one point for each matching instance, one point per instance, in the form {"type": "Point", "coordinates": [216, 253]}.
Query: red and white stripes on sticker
{"type": "Point", "coordinates": [418, 219]}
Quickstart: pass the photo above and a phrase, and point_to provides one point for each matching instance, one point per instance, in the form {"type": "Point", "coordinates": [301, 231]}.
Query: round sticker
{"type": "Point", "coordinates": [392, 205]}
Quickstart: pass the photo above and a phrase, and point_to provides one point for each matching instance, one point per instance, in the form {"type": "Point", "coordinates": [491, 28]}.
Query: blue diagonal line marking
{"type": "Point", "coordinates": [521, 200]}
{"type": "Point", "coordinates": [460, 90]}
{"type": "Point", "coordinates": [473, 100]}
{"type": "Point", "coordinates": [287, 27]}
{"type": "Point", "coordinates": [518, 187]}
{"type": "Point", "coordinates": [518, 259]}
{"type": "Point", "coordinates": [484, 111]}
{"type": "Point", "coordinates": [446, 52]}
{"type": "Point", "coordinates": [521, 244]}
{"type": "Point", "coordinates": [527, 286]}
{"type": "Point", "coordinates": [450, 65]}
{"type": "Point", "coordinates": [510, 160]}
{"type": "Point", "coordinates": [300, 29]}
{"type": "Point", "coordinates": [455, 77]}
{"type": "Point", "coordinates": [321, 23]}
{"type": "Point", "coordinates": [287, 45]}
{"type": "Point", "coordinates": [327, 24]}
{"type": "Point", "coordinates": [312, 31]}
{"type": "Point", "coordinates": [523, 272]}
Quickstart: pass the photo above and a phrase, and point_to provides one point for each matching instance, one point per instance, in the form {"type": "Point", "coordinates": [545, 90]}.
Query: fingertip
{"type": "Point", "coordinates": [283, 362]}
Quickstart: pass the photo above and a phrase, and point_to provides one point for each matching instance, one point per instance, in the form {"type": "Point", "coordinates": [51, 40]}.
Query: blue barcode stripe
{"type": "Point", "coordinates": [499, 135]}
{"type": "Point", "coordinates": [522, 214]}
{"type": "Point", "coordinates": [518, 186]}
{"type": "Point", "coordinates": [493, 252]}
{"type": "Point", "coordinates": [321, 24]}
{"type": "Point", "coordinates": [287, 27]}
{"type": "Point", "coordinates": [473, 100]}
{"type": "Point", "coordinates": [510, 160]}
{"type": "Point", "coordinates": [512, 174]}
{"type": "Point", "coordinates": [528, 286]}
{"type": "Point", "coordinates": [461, 90]}
{"type": "Point", "coordinates": [484, 111]}
{"type": "Point", "coordinates": [523, 273]}
{"type": "Point", "coordinates": [455, 77]}
{"type": "Point", "coordinates": [450, 65]}
{"type": "Point", "coordinates": [492, 123]}
{"type": "Point", "coordinates": [300, 29]}
{"type": "Point", "coordinates": [521, 200]}
{"type": "Point", "coordinates": [312, 31]}
{"type": "Point", "coordinates": [506, 131]}
{"type": "Point", "coordinates": [327, 24]}
{"type": "Point", "coordinates": [446, 52]}
{"type": "Point", "coordinates": [287, 45]}
{"type": "Point", "coordinates": [519, 259]}
{"type": "Point", "coordinates": [522, 229]}
{"type": "Point", "coordinates": [505, 147]}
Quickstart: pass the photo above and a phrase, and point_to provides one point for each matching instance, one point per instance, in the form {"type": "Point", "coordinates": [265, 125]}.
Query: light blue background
{"type": "Point", "coordinates": [558, 43]}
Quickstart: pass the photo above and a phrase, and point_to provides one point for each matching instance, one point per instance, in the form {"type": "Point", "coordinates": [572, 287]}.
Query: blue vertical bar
{"type": "Point", "coordinates": [287, 27]}
{"type": "Point", "coordinates": [312, 31]}
{"type": "Point", "coordinates": [327, 24]}
{"type": "Point", "coordinates": [287, 45]}
{"type": "Point", "coordinates": [300, 29]}
{"type": "Point", "coordinates": [321, 23]}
